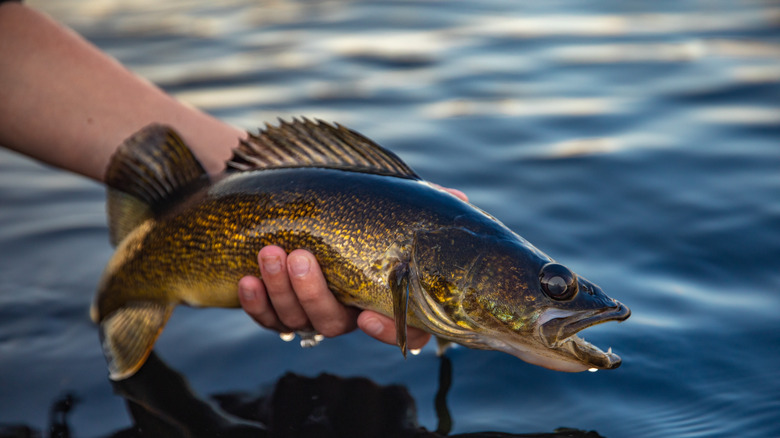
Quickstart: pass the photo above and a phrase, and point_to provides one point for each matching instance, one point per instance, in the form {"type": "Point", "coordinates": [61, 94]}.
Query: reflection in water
{"type": "Point", "coordinates": [58, 416]}
{"type": "Point", "coordinates": [162, 404]}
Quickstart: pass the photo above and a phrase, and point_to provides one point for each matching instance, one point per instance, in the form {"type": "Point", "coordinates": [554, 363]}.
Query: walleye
{"type": "Point", "coordinates": [386, 240]}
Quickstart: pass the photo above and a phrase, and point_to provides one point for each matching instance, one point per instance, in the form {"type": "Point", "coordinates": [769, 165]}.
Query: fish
{"type": "Point", "coordinates": [386, 240]}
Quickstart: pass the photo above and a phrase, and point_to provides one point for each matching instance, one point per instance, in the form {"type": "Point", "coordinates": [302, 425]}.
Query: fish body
{"type": "Point", "coordinates": [385, 240]}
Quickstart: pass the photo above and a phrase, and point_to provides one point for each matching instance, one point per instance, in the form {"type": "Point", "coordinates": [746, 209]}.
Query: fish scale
{"type": "Point", "coordinates": [385, 241]}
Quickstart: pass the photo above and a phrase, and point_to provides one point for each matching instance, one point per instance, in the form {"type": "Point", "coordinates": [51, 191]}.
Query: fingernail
{"type": "Point", "coordinates": [373, 327]}
{"type": "Point", "coordinates": [299, 265]}
{"type": "Point", "coordinates": [271, 265]}
{"type": "Point", "coordinates": [246, 293]}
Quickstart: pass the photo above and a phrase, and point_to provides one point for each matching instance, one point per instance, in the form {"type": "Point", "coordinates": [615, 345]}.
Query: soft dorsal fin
{"type": "Point", "coordinates": [147, 174]}
{"type": "Point", "coordinates": [303, 143]}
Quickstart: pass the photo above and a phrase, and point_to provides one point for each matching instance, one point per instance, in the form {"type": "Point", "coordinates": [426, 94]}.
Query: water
{"type": "Point", "coordinates": [635, 142]}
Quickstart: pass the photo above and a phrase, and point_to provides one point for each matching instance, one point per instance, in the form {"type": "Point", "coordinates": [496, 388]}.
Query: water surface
{"type": "Point", "coordinates": [635, 142]}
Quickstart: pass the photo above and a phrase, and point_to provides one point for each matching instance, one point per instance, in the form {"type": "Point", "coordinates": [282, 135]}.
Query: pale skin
{"type": "Point", "coordinates": [65, 103]}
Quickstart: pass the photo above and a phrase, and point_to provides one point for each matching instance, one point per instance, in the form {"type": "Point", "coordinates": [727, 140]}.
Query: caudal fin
{"type": "Point", "coordinates": [129, 333]}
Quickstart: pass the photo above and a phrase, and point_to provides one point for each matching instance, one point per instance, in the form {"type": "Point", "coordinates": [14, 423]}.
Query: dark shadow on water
{"type": "Point", "coordinates": [162, 404]}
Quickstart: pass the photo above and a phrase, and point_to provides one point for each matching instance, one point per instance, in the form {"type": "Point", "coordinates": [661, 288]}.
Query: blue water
{"type": "Point", "coordinates": [636, 142]}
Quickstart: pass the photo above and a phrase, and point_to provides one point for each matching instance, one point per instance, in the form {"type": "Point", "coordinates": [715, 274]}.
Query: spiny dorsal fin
{"type": "Point", "coordinates": [303, 143]}
{"type": "Point", "coordinates": [146, 175]}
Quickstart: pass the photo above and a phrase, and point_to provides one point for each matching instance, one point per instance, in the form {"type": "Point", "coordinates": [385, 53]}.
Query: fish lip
{"type": "Point", "coordinates": [561, 334]}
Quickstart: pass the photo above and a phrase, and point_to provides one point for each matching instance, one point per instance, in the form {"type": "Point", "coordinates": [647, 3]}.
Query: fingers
{"type": "Point", "coordinates": [326, 314]}
{"type": "Point", "coordinates": [274, 271]}
{"type": "Point", "coordinates": [455, 192]}
{"type": "Point", "coordinates": [253, 298]}
{"type": "Point", "coordinates": [382, 328]}
{"type": "Point", "coordinates": [293, 295]}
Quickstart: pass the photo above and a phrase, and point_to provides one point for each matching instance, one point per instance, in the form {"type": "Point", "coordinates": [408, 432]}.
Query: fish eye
{"type": "Point", "coordinates": [558, 282]}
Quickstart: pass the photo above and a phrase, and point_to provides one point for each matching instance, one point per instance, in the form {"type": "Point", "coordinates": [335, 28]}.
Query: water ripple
{"type": "Point", "coordinates": [634, 142]}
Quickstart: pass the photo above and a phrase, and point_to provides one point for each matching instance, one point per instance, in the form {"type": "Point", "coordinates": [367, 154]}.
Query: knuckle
{"type": "Point", "coordinates": [333, 329]}
{"type": "Point", "coordinates": [265, 318]}
{"type": "Point", "coordinates": [296, 322]}
{"type": "Point", "coordinates": [308, 296]}
{"type": "Point", "coordinates": [338, 326]}
{"type": "Point", "coordinates": [277, 290]}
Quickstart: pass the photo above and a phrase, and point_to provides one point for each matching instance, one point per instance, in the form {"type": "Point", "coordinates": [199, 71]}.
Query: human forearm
{"type": "Point", "coordinates": [64, 102]}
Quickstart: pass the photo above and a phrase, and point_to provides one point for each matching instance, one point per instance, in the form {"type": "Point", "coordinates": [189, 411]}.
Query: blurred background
{"type": "Point", "coordinates": [636, 142]}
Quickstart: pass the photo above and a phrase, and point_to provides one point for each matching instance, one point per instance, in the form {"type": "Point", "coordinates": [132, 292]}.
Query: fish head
{"type": "Point", "coordinates": [500, 293]}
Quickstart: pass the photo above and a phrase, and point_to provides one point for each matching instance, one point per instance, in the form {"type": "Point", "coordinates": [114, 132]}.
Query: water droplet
{"type": "Point", "coordinates": [414, 351]}
{"type": "Point", "coordinates": [309, 338]}
{"type": "Point", "coordinates": [287, 337]}
{"type": "Point", "coordinates": [593, 370]}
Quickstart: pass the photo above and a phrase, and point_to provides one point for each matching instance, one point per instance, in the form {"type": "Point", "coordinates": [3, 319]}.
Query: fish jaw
{"type": "Point", "coordinates": [553, 344]}
{"type": "Point", "coordinates": [557, 331]}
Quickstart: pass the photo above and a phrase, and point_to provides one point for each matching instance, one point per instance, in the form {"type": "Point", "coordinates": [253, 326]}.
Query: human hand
{"type": "Point", "coordinates": [293, 295]}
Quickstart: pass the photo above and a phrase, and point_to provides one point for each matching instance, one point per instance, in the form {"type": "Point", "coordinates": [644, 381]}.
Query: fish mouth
{"type": "Point", "coordinates": [560, 333]}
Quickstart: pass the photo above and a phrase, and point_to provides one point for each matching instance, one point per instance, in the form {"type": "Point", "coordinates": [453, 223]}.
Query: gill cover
{"type": "Point", "coordinates": [424, 284]}
{"type": "Point", "coordinates": [444, 263]}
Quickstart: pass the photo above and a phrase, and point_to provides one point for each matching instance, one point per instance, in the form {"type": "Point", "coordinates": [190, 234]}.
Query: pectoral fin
{"type": "Point", "coordinates": [129, 334]}
{"type": "Point", "coordinates": [399, 285]}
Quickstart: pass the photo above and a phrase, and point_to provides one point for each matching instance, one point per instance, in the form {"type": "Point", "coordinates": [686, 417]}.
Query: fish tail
{"type": "Point", "coordinates": [129, 333]}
